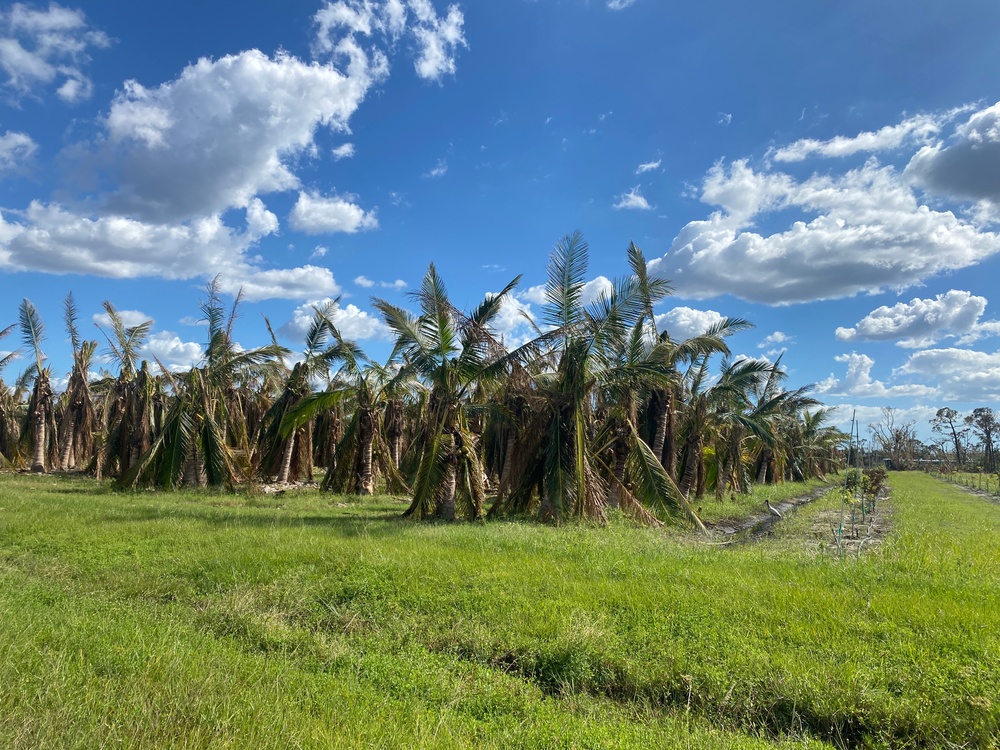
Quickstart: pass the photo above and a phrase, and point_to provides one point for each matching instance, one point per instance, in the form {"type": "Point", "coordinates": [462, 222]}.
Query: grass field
{"type": "Point", "coordinates": [204, 621]}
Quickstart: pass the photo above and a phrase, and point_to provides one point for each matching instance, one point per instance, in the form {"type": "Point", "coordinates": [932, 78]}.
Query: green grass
{"type": "Point", "coordinates": [980, 481]}
{"type": "Point", "coordinates": [201, 620]}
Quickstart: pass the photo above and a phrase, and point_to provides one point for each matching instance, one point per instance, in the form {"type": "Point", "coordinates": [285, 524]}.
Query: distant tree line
{"type": "Point", "coordinates": [967, 442]}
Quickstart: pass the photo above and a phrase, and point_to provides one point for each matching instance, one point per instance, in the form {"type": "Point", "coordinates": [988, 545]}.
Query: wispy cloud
{"type": "Point", "coordinates": [648, 166]}
{"type": "Point", "coordinates": [345, 151]}
{"type": "Point", "coordinates": [632, 200]}
{"type": "Point", "coordinates": [438, 170]}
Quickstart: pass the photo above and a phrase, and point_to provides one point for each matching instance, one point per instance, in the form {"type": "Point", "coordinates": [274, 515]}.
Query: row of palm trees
{"type": "Point", "coordinates": [598, 411]}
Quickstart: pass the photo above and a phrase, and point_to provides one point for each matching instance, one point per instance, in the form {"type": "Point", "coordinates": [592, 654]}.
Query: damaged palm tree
{"type": "Point", "coordinates": [288, 455]}
{"type": "Point", "coordinates": [448, 351]}
{"type": "Point", "coordinates": [363, 390]}
{"type": "Point", "coordinates": [79, 417]}
{"type": "Point", "coordinates": [131, 400]}
{"type": "Point", "coordinates": [201, 428]}
{"type": "Point", "coordinates": [39, 425]}
{"type": "Point", "coordinates": [582, 448]}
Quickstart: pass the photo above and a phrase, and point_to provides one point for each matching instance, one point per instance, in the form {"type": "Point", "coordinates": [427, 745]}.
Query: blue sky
{"type": "Point", "coordinates": [829, 171]}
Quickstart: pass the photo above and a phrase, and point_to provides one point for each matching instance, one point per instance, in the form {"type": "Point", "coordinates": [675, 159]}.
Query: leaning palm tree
{"type": "Point", "coordinates": [449, 351]}
{"type": "Point", "coordinates": [39, 426]}
{"type": "Point", "coordinates": [285, 454]}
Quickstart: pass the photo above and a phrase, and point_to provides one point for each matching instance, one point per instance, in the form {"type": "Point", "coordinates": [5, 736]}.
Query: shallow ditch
{"type": "Point", "coordinates": [756, 527]}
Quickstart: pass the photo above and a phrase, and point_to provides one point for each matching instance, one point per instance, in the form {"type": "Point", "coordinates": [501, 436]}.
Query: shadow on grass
{"type": "Point", "coordinates": [367, 524]}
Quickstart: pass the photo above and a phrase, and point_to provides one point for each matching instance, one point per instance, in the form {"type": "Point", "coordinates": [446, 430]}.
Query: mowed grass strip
{"type": "Point", "coordinates": [199, 620]}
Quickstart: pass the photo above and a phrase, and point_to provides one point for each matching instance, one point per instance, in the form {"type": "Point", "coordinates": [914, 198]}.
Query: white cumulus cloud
{"type": "Point", "coordinates": [41, 48]}
{"type": "Point", "coordinates": [963, 375]}
{"type": "Point", "coordinates": [923, 322]}
{"type": "Point", "coordinates": [686, 322]}
{"type": "Point", "coordinates": [315, 214]}
{"type": "Point", "coordinates": [224, 131]}
{"type": "Point", "coordinates": [175, 353]}
{"type": "Point", "coordinates": [353, 323]}
{"type": "Point", "coordinates": [864, 231]}
{"type": "Point", "coordinates": [966, 165]}
{"type": "Point", "coordinates": [859, 383]}
{"type": "Point", "coordinates": [129, 318]}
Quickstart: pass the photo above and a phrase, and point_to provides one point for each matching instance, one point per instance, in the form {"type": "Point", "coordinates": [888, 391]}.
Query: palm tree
{"type": "Point", "coordinates": [663, 403]}
{"type": "Point", "coordinates": [581, 448]}
{"type": "Point", "coordinates": [204, 426]}
{"type": "Point", "coordinates": [40, 414]}
{"type": "Point", "coordinates": [449, 351]}
{"type": "Point", "coordinates": [79, 418]}
{"type": "Point", "coordinates": [786, 414]}
{"type": "Point", "coordinates": [280, 449]}
{"type": "Point", "coordinates": [714, 408]}
{"type": "Point", "coordinates": [371, 394]}
{"type": "Point", "coordinates": [131, 400]}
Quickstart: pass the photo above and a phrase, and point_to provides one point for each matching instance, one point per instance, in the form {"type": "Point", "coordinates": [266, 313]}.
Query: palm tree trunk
{"type": "Point", "coordinates": [286, 459]}
{"type": "Point", "coordinates": [765, 458]}
{"type": "Point", "coordinates": [366, 439]}
{"type": "Point", "coordinates": [42, 402]}
{"type": "Point", "coordinates": [308, 450]}
{"type": "Point", "coordinates": [38, 453]}
{"type": "Point", "coordinates": [194, 468]}
{"type": "Point", "coordinates": [69, 429]}
{"type": "Point", "coordinates": [664, 422]}
{"type": "Point", "coordinates": [446, 498]}
{"type": "Point", "coordinates": [722, 480]}
{"type": "Point", "coordinates": [668, 457]}
{"type": "Point", "coordinates": [691, 454]}
{"type": "Point", "coordinates": [615, 498]}
{"type": "Point", "coordinates": [508, 460]}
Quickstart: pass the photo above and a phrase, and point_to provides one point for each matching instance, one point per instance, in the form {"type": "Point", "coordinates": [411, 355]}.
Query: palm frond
{"type": "Point", "coordinates": [653, 487]}
{"type": "Point", "coordinates": [70, 315]}
{"type": "Point", "coordinates": [32, 329]}
{"type": "Point", "coordinates": [566, 274]}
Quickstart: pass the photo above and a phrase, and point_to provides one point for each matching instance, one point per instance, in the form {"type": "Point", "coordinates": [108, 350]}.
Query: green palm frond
{"type": "Point", "coordinates": [653, 487]}
{"type": "Point", "coordinates": [71, 315]}
{"type": "Point", "coordinates": [430, 476]}
{"type": "Point", "coordinates": [566, 276]}
{"type": "Point", "coordinates": [32, 330]}
{"type": "Point", "coordinates": [320, 325]}
{"type": "Point", "coordinates": [652, 289]}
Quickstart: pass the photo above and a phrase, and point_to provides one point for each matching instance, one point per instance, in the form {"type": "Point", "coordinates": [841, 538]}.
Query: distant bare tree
{"type": "Point", "coordinates": [947, 422]}
{"type": "Point", "coordinates": [896, 440]}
